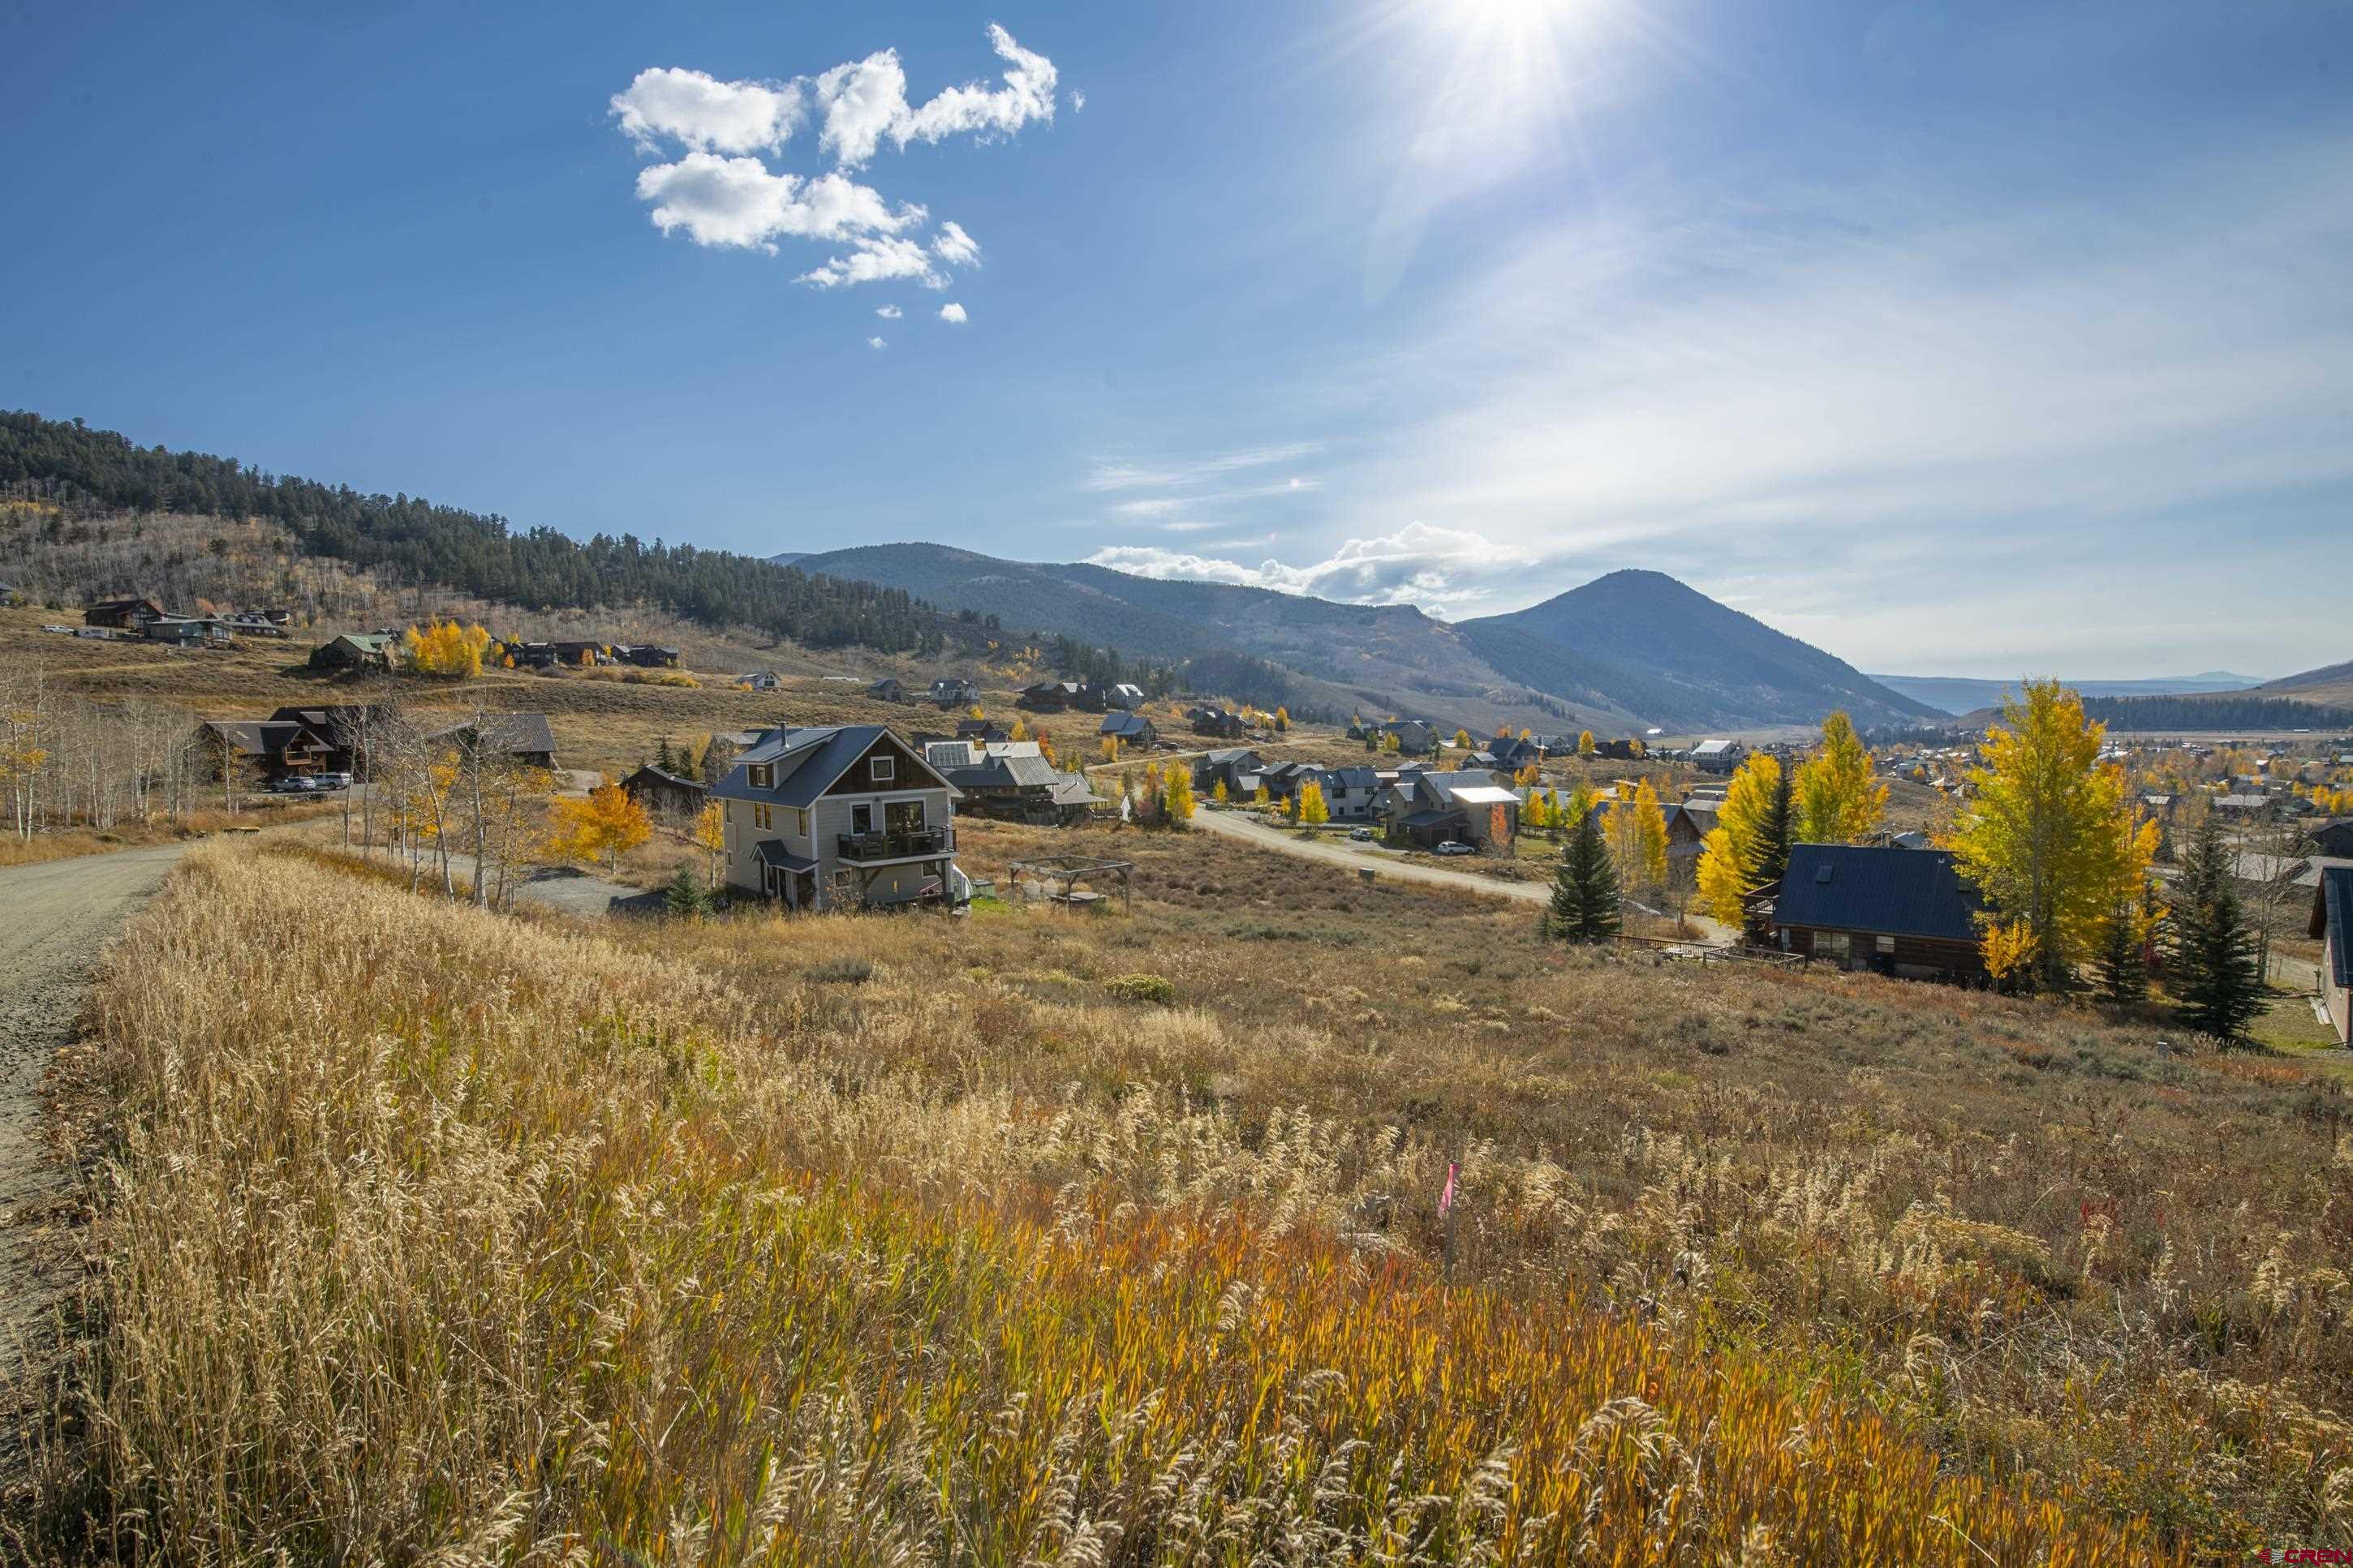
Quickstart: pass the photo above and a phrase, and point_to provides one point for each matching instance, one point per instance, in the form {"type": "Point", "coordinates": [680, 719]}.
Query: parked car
{"type": "Point", "coordinates": [1361, 835]}
{"type": "Point", "coordinates": [294, 785]}
{"type": "Point", "coordinates": [1453, 846]}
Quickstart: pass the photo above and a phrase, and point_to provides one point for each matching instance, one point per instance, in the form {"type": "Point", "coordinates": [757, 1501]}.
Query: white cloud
{"type": "Point", "coordinates": [718, 193]}
{"type": "Point", "coordinates": [957, 247]}
{"type": "Point", "coordinates": [737, 202]}
{"type": "Point", "coordinates": [1077, 100]}
{"type": "Point", "coordinates": [876, 344]}
{"type": "Point", "coordinates": [1028, 94]}
{"type": "Point", "coordinates": [1436, 568]}
{"type": "Point", "coordinates": [952, 311]}
{"type": "Point", "coordinates": [705, 114]}
{"type": "Point", "coordinates": [878, 259]}
{"type": "Point", "coordinates": [862, 102]}
{"type": "Point", "coordinates": [887, 312]}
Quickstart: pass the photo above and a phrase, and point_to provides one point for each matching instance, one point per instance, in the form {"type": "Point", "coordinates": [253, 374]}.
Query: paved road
{"type": "Point", "coordinates": [59, 917]}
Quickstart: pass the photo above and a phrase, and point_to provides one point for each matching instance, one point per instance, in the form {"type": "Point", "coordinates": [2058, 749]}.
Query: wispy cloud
{"type": "Point", "coordinates": [1898, 417]}
{"type": "Point", "coordinates": [887, 312]}
{"type": "Point", "coordinates": [1112, 473]}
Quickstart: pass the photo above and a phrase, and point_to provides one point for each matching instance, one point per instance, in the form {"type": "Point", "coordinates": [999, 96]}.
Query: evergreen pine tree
{"type": "Point", "coordinates": [664, 758]}
{"type": "Point", "coordinates": [685, 896]}
{"type": "Point", "coordinates": [2215, 977]}
{"type": "Point", "coordinates": [1770, 861]}
{"type": "Point", "coordinates": [2124, 973]}
{"type": "Point", "coordinates": [1585, 889]}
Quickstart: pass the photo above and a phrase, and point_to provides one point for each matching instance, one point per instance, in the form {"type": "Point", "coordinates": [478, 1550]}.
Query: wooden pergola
{"type": "Point", "coordinates": [1062, 877]}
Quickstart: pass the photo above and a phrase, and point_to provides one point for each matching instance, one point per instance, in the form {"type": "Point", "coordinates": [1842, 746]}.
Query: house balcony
{"type": "Point", "coordinates": [867, 849]}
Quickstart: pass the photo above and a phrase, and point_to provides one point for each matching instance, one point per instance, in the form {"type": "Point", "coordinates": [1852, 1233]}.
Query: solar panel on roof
{"type": "Point", "coordinates": [1823, 874]}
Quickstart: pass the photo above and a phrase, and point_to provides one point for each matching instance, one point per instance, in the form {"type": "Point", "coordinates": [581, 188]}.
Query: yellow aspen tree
{"type": "Point", "coordinates": [1839, 798]}
{"type": "Point", "coordinates": [1726, 863]}
{"type": "Point", "coordinates": [1649, 835]}
{"type": "Point", "coordinates": [605, 825]}
{"type": "Point", "coordinates": [1312, 808]}
{"type": "Point", "coordinates": [1019, 731]}
{"type": "Point", "coordinates": [1218, 791]}
{"type": "Point", "coordinates": [1259, 799]}
{"type": "Point", "coordinates": [1282, 720]}
{"type": "Point", "coordinates": [1110, 748]}
{"type": "Point", "coordinates": [1463, 740]}
{"type": "Point", "coordinates": [711, 835]}
{"type": "Point", "coordinates": [2047, 834]}
{"type": "Point", "coordinates": [1585, 742]}
{"type": "Point", "coordinates": [1176, 797]}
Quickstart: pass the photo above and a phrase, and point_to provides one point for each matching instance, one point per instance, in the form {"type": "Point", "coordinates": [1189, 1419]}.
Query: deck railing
{"type": "Point", "coordinates": [898, 846]}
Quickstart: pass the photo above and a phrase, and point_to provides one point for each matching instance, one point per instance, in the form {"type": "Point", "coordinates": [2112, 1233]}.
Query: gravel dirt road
{"type": "Point", "coordinates": [54, 920]}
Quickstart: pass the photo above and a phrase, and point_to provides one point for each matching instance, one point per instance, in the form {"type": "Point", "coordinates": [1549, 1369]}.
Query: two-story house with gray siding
{"type": "Point", "coordinates": [837, 816]}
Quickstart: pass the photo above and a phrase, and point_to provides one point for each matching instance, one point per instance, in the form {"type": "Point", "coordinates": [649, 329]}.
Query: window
{"type": "Point", "coordinates": [763, 776]}
{"type": "Point", "coordinates": [800, 820]}
{"type": "Point", "coordinates": [1831, 945]}
{"type": "Point", "coordinates": [883, 768]}
{"type": "Point", "coordinates": [861, 817]}
{"type": "Point", "coordinates": [760, 818]}
{"type": "Point", "coordinates": [1887, 944]}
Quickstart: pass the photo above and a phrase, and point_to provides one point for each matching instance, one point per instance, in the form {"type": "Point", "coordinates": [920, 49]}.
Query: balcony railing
{"type": "Point", "coordinates": [899, 846]}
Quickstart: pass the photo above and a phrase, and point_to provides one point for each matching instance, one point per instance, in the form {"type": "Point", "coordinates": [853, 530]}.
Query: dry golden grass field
{"type": "Point", "coordinates": [427, 1234]}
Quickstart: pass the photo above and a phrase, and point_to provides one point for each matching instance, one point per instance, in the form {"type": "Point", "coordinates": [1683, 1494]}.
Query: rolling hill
{"type": "Point", "coordinates": [1631, 650]}
{"type": "Point", "coordinates": [2331, 684]}
{"type": "Point", "coordinates": [1694, 661]}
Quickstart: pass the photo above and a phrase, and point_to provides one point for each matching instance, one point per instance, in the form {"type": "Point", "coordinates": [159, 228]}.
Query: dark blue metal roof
{"type": "Point", "coordinates": [1888, 891]}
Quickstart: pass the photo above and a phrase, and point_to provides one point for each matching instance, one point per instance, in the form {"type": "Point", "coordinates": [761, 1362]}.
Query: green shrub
{"type": "Point", "coordinates": [1149, 988]}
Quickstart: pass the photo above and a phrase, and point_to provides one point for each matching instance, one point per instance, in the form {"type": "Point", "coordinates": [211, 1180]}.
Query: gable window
{"type": "Point", "coordinates": [883, 768]}
{"type": "Point", "coordinates": [763, 776]}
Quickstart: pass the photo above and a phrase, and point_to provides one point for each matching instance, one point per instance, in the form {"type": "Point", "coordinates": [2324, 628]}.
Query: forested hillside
{"type": "Point", "coordinates": [2231, 710]}
{"type": "Point", "coordinates": [89, 472]}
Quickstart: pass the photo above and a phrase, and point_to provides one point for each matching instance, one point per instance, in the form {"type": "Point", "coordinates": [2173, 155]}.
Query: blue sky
{"type": "Point", "coordinates": [1961, 339]}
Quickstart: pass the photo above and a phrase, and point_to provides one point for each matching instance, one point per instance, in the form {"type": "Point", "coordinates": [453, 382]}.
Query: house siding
{"type": "Point", "coordinates": [2339, 998]}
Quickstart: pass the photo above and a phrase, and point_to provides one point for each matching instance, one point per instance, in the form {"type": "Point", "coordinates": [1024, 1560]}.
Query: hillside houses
{"type": "Point", "coordinates": [1226, 766]}
{"type": "Point", "coordinates": [1424, 808]}
{"type": "Point", "coordinates": [837, 816]}
{"type": "Point", "coordinates": [665, 795]}
{"type": "Point", "coordinates": [1012, 781]}
{"type": "Point", "coordinates": [362, 651]}
{"type": "Point", "coordinates": [1129, 729]}
{"type": "Point", "coordinates": [1220, 722]}
{"type": "Point", "coordinates": [1903, 912]}
{"type": "Point", "coordinates": [123, 615]}
{"type": "Point", "coordinates": [951, 691]}
{"type": "Point", "coordinates": [1719, 757]}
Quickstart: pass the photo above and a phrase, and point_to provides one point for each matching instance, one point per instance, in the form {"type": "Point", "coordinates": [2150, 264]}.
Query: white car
{"type": "Point", "coordinates": [1454, 846]}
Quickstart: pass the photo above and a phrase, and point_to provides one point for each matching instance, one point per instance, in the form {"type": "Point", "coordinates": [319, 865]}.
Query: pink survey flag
{"type": "Point", "coordinates": [1446, 1198]}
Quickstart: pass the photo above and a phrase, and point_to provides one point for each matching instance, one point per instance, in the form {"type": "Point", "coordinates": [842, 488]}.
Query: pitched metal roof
{"type": "Point", "coordinates": [809, 760]}
{"type": "Point", "coordinates": [774, 852]}
{"type": "Point", "coordinates": [1877, 889]}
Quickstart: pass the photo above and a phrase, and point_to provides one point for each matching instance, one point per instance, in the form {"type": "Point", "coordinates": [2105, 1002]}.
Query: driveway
{"type": "Point", "coordinates": [61, 916]}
